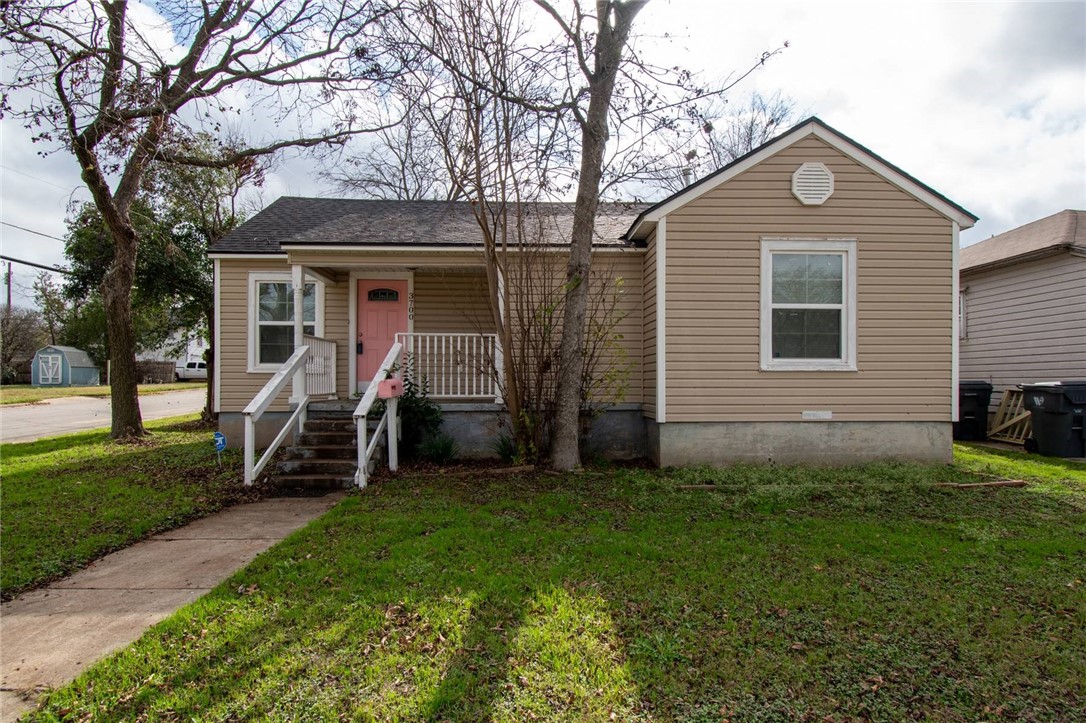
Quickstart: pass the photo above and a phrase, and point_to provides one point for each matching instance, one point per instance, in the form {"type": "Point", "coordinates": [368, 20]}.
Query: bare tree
{"type": "Point", "coordinates": [522, 116]}
{"type": "Point", "coordinates": [21, 334]}
{"type": "Point", "coordinates": [727, 132]}
{"type": "Point", "coordinates": [122, 94]}
{"type": "Point", "coordinates": [403, 163]}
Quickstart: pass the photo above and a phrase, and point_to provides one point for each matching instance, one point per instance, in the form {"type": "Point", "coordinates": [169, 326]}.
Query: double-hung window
{"type": "Point", "coordinates": [808, 305]}
{"type": "Point", "coordinates": [271, 318]}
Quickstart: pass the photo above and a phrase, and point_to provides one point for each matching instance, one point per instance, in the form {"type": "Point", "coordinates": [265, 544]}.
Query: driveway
{"type": "Point", "coordinates": [27, 422]}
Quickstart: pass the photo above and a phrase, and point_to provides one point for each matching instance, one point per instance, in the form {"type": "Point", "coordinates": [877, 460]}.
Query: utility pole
{"type": "Point", "coordinates": [8, 279]}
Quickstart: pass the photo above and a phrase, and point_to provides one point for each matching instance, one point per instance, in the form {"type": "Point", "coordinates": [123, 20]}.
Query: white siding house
{"type": "Point", "coordinates": [1024, 304]}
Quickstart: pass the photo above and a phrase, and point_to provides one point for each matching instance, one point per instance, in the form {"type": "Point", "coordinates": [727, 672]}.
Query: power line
{"type": "Point", "coordinates": [40, 180]}
{"type": "Point", "coordinates": [54, 269]}
{"type": "Point", "coordinates": [30, 230]}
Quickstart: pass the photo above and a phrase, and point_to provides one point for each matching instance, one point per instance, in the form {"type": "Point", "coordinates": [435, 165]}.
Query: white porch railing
{"type": "Point", "coordinates": [454, 365]}
{"type": "Point", "coordinates": [389, 420]}
{"type": "Point", "coordinates": [320, 368]}
{"type": "Point", "coordinates": [260, 404]}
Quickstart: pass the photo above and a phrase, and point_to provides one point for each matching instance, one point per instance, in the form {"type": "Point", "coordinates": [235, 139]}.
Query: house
{"type": "Point", "coordinates": [1023, 304]}
{"type": "Point", "coordinates": [799, 304]}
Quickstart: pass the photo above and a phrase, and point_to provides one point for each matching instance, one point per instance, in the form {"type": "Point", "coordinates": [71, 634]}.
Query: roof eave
{"type": "Point", "coordinates": [647, 220]}
{"type": "Point", "coordinates": [1034, 255]}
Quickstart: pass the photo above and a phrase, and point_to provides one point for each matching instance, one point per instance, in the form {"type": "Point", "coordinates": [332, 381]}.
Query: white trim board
{"type": "Point", "coordinates": [217, 362]}
{"type": "Point", "coordinates": [833, 139]}
{"type": "Point", "coordinates": [661, 321]}
{"type": "Point", "coordinates": [955, 283]}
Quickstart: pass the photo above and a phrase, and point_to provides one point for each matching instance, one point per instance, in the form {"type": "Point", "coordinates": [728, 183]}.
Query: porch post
{"type": "Point", "coordinates": [298, 284]}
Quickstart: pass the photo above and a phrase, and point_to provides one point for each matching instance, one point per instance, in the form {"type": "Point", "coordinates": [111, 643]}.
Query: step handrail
{"type": "Point", "coordinates": [388, 420]}
{"type": "Point", "coordinates": [263, 399]}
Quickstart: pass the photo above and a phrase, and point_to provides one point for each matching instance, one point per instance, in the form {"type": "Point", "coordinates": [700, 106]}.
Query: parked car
{"type": "Point", "coordinates": [190, 370]}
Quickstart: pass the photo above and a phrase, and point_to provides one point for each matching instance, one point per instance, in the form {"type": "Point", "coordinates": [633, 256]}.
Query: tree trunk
{"type": "Point", "coordinates": [615, 21]}
{"type": "Point", "coordinates": [117, 298]}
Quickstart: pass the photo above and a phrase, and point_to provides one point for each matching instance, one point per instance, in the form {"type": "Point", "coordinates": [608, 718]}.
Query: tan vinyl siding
{"type": "Point", "coordinates": [1025, 323]}
{"type": "Point", "coordinates": [903, 298]}
{"type": "Point", "coordinates": [452, 300]}
{"type": "Point", "coordinates": [447, 300]}
{"type": "Point", "coordinates": [628, 267]}
{"type": "Point", "coordinates": [238, 385]}
{"type": "Point", "coordinates": [648, 353]}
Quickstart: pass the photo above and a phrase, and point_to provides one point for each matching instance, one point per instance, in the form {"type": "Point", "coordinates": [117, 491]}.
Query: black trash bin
{"type": "Point", "coordinates": [1056, 410]}
{"type": "Point", "coordinates": [973, 400]}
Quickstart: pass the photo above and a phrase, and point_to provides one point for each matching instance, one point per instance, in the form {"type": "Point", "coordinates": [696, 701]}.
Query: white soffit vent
{"type": "Point", "coordinates": [812, 184]}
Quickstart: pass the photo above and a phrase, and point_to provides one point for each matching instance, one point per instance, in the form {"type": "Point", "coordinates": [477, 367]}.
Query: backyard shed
{"type": "Point", "coordinates": [63, 366]}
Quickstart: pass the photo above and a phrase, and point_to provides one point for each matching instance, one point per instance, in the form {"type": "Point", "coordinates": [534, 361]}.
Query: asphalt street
{"type": "Point", "coordinates": [27, 422]}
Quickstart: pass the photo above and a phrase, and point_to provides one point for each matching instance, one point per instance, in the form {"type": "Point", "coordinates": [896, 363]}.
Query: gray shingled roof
{"type": "Point", "coordinates": [291, 221]}
{"type": "Point", "coordinates": [1063, 230]}
{"type": "Point", "coordinates": [76, 357]}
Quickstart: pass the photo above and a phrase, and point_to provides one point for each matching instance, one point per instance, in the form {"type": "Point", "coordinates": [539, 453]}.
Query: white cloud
{"type": "Point", "coordinates": [985, 102]}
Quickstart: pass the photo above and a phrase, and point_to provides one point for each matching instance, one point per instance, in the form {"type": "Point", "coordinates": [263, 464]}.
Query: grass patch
{"type": "Point", "coordinates": [26, 394]}
{"type": "Point", "coordinates": [789, 593]}
{"type": "Point", "coordinates": [70, 499]}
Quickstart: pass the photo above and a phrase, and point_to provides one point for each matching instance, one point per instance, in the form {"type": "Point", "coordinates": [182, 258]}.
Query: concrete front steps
{"type": "Point", "coordinates": [325, 455]}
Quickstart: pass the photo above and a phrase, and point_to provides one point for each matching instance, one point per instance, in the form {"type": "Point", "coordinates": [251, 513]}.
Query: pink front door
{"type": "Point", "coordinates": [382, 313]}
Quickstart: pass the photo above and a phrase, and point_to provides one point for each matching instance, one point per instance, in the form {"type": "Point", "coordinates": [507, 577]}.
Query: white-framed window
{"type": "Point", "coordinates": [808, 304]}
{"type": "Point", "coordinates": [271, 318]}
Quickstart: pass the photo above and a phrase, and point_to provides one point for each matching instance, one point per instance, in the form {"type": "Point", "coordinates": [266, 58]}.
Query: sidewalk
{"type": "Point", "coordinates": [48, 636]}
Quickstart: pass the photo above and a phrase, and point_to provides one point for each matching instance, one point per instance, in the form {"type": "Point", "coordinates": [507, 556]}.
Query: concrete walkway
{"type": "Point", "coordinates": [48, 636]}
{"type": "Point", "coordinates": [27, 422]}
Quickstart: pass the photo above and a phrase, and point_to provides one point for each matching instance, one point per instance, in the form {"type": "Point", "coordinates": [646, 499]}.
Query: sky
{"type": "Point", "coordinates": [984, 102]}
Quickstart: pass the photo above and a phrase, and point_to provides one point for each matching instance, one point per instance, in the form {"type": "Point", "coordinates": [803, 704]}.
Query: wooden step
{"type": "Point", "coordinates": [316, 466]}
{"type": "Point", "coordinates": [325, 451]}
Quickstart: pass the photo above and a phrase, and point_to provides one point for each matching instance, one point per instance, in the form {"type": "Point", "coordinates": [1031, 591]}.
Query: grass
{"type": "Point", "coordinates": [70, 499]}
{"type": "Point", "coordinates": [26, 394]}
{"type": "Point", "coordinates": [786, 594]}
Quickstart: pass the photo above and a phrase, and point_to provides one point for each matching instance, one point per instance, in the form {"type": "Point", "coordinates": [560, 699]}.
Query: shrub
{"type": "Point", "coordinates": [439, 449]}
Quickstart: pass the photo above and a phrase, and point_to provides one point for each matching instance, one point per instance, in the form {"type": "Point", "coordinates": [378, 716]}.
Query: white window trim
{"type": "Point", "coordinates": [264, 277]}
{"type": "Point", "coordinates": [846, 247]}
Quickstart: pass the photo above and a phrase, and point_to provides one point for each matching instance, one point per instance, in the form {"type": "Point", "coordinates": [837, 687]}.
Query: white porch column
{"type": "Point", "coordinates": [298, 283]}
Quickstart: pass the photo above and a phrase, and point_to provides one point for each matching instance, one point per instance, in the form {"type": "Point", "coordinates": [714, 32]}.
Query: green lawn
{"type": "Point", "coordinates": [26, 394]}
{"type": "Point", "coordinates": [786, 593]}
{"type": "Point", "coordinates": [70, 499]}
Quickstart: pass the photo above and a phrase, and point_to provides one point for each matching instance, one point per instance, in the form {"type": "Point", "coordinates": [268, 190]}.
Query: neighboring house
{"type": "Point", "coordinates": [182, 346]}
{"type": "Point", "coordinates": [1023, 301]}
{"type": "Point", "coordinates": [797, 305]}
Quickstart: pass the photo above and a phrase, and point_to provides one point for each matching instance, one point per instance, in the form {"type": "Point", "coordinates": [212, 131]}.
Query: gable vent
{"type": "Point", "coordinates": [812, 184]}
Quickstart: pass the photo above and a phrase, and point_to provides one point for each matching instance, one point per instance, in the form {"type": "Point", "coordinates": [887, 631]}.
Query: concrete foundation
{"type": "Point", "coordinates": [232, 424]}
{"type": "Point", "coordinates": [823, 443]}
{"type": "Point", "coordinates": [622, 433]}
{"type": "Point", "coordinates": [616, 434]}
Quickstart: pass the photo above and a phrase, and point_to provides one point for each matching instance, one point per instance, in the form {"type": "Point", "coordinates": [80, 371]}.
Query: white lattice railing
{"type": "Point", "coordinates": [388, 421]}
{"type": "Point", "coordinates": [320, 368]}
{"type": "Point", "coordinates": [454, 365]}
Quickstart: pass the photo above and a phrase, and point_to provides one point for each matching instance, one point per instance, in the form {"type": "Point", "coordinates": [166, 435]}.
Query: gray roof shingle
{"type": "Point", "coordinates": [291, 220]}
{"type": "Point", "coordinates": [1063, 230]}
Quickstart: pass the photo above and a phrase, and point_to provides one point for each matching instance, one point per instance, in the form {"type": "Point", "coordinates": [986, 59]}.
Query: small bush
{"type": "Point", "coordinates": [420, 416]}
{"type": "Point", "coordinates": [506, 448]}
{"type": "Point", "coordinates": [439, 449]}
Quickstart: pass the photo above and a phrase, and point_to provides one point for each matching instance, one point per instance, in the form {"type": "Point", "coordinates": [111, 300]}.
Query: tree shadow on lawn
{"type": "Point", "coordinates": [581, 598]}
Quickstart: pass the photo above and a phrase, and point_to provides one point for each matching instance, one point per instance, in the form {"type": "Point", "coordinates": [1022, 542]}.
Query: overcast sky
{"type": "Point", "coordinates": [985, 102]}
